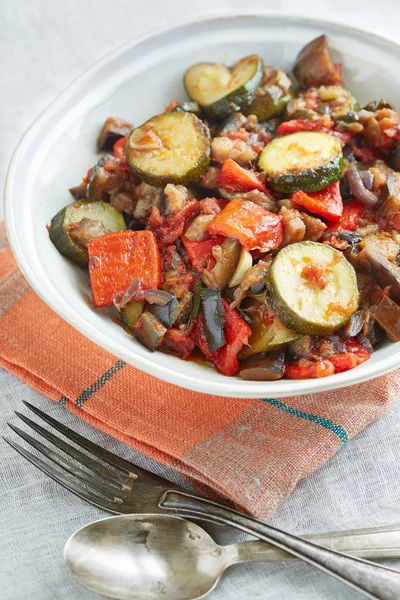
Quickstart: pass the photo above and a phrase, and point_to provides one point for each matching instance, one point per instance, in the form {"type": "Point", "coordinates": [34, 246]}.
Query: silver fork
{"type": "Point", "coordinates": [126, 488]}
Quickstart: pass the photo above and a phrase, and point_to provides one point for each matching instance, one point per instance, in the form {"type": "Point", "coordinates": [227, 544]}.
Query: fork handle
{"type": "Point", "coordinates": [374, 581]}
{"type": "Point", "coordinates": [376, 542]}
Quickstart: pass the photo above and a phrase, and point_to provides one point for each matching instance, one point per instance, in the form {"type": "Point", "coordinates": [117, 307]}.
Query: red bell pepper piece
{"type": "Point", "coordinates": [326, 203]}
{"type": "Point", "coordinates": [236, 332]}
{"type": "Point", "coordinates": [344, 362]}
{"type": "Point", "coordinates": [168, 229]}
{"type": "Point", "coordinates": [212, 206]}
{"type": "Point", "coordinates": [352, 212]}
{"type": "Point", "coordinates": [235, 178]}
{"type": "Point", "coordinates": [200, 253]}
{"type": "Point", "coordinates": [324, 123]}
{"type": "Point", "coordinates": [119, 152]}
{"type": "Point", "coordinates": [355, 355]}
{"type": "Point", "coordinates": [253, 226]}
{"type": "Point", "coordinates": [358, 349]}
{"type": "Point", "coordinates": [321, 368]}
{"type": "Point", "coordinates": [115, 259]}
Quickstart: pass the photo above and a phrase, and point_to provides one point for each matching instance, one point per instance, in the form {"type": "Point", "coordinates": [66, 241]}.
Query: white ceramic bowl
{"type": "Point", "coordinates": [135, 82]}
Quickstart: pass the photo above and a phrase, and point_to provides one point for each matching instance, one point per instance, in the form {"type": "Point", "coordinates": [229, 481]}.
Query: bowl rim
{"type": "Point", "coordinates": [242, 389]}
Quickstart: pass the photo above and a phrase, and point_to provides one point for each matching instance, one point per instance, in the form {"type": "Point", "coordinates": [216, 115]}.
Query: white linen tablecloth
{"type": "Point", "coordinates": [44, 45]}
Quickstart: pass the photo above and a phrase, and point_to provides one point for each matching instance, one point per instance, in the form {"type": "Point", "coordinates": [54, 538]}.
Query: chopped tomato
{"type": "Point", "coordinates": [237, 333]}
{"type": "Point", "coordinates": [178, 342]}
{"type": "Point", "coordinates": [212, 206]}
{"type": "Point", "coordinates": [396, 222]}
{"type": "Point", "coordinates": [253, 226]}
{"type": "Point", "coordinates": [115, 259]}
{"type": "Point", "coordinates": [235, 178]}
{"type": "Point", "coordinates": [324, 123]}
{"type": "Point", "coordinates": [344, 136]}
{"type": "Point", "coordinates": [200, 253]}
{"type": "Point", "coordinates": [321, 368]}
{"type": "Point", "coordinates": [168, 229]}
{"type": "Point", "coordinates": [344, 362]}
{"type": "Point", "coordinates": [355, 355]}
{"type": "Point", "coordinates": [356, 348]}
{"type": "Point", "coordinates": [316, 274]}
{"type": "Point", "coordinates": [352, 212]}
{"type": "Point", "coordinates": [326, 203]}
{"type": "Point", "coordinates": [241, 134]}
{"type": "Point", "coordinates": [173, 104]}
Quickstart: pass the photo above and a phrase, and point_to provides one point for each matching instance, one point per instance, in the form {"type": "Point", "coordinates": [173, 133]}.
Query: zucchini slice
{"type": "Point", "coordinates": [266, 338]}
{"type": "Point", "coordinates": [172, 147]}
{"type": "Point", "coordinates": [130, 313]}
{"type": "Point", "coordinates": [271, 99]}
{"type": "Point", "coordinates": [221, 90]}
{"type": "Point", "coordinates": [111, 218]}
{"type": "Point", "coordinates": [312, 288]}
{"type": "Point", "coordinates": [306, 160]}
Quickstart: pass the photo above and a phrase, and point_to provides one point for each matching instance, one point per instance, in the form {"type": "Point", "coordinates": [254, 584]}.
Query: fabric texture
{"type": "Point", "coordinates": [249, 452]}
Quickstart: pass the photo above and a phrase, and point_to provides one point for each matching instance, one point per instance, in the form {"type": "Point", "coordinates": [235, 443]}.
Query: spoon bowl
{"type": "Point", "coordinates": [145, 557]}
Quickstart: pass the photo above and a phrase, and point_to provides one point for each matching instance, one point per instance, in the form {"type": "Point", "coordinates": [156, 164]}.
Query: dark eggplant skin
{"type": "Point", "coordinates": [113, 130]}
{"type": "Point", "coordinates": [167, 314]}
{"type": "Point", "coordinates": [149, 331]}
{"type": "Point", "coordinates": [213, 317]}
{"type": "Point", "coordinates": [388, 316]}
{"type": "Point", "coordinates": [314, 65]}
{"type": "Point", "coordinates": [264, 366]}
{"type": "Point", "coordinates": [353, 326]}
{"type": "Point", "coordinates": [394, 158]}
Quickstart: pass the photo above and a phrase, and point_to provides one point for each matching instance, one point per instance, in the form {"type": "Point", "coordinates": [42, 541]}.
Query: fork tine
{"type": "Point", "coordinates": [91, 447]}
{"type": "Point", "coordinates": [70, 485]}
{"type": "Point", "coordinates": [85, 460]}
{"type": "Point", "coordinates": [75, 471]}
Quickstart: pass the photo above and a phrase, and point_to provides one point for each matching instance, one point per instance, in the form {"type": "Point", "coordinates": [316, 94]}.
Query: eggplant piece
{"type": "Point", "coordinates": [195, 308]}
{"type": "Point", "coordinates": [168, 314]}
{"type": "Point", "coordinates": [79, 192]}
{"type": "Point", "coordinates": [232, 124]}
{"type": "Point", "coordinates": [149, 331]}
{"type": "Point", "coordinates": [213, 318]}
{"type": "Point", "coordinates": [378, 104]}
{"type": "Point", "coordinates": [390, 205]}
{"type": "Point", "coordinates": [113, 130]}
{"type": "Point", "coordinates": [227, 256]}
{"type": "Point", "coordinates": [353, 326]}
{"type": "Point", "coordinates": [103, 181]}
{"type": "Point", "coordinates": [375, 334]}
{"type": "Point", "coordinates": [382, 270]}
{"type": "Point", "coordinates": [387, 316]}
{"type": "Point", "coordinates": [394, 158]}
{"type": "Point", "coordinates": [301, 347]}
{"type": "Point", "coordinates": [265, 366]}
{"type": "Point", "coordinates": [198, 229]}
{"type": "Point", "coordinates": [314, 65]}
{"type": "Point", "coordinates": [87, 230]}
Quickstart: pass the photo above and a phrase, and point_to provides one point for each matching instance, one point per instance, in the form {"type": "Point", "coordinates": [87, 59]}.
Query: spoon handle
{"type": "Point", "coordinates": [378, 542]}
{"type": "Point", "coordinates": [374, 581]}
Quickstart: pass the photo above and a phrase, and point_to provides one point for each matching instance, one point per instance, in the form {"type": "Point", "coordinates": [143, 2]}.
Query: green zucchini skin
{"type": "Point", "coordinates": [234, 100]}
{"type": "Point", "coordinates": [130, 313]}
{"type": "Point", "coordinates": [317, 176]}
{"type": "Point", "coordinates": [270, 99]}
{"type": "Point", "coordinates": [302, 306]}
{"type": "Point", "coordinates": [186, 166]}
{"type": "Point", "coordinates": [111, 218]}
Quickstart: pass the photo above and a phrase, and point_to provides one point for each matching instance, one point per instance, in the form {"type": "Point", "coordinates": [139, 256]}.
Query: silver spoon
{"type": "Point", "coordinates": [148, 557]}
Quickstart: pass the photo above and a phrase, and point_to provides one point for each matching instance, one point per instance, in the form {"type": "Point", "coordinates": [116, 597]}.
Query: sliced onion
{"type": "Point", "coordinates": [367, 179]}
{"type": "Point", "coordinates": [136, 294]}
{"type": "Point", "coordinates": [358, 188]}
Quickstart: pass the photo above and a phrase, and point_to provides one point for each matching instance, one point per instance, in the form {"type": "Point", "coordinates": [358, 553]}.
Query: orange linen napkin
{"type": "Point", "coordinates": [250, 452]}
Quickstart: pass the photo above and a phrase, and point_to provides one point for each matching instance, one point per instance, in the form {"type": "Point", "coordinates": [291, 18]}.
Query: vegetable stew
{"type": "Point", "coordinates": [257, 221]}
